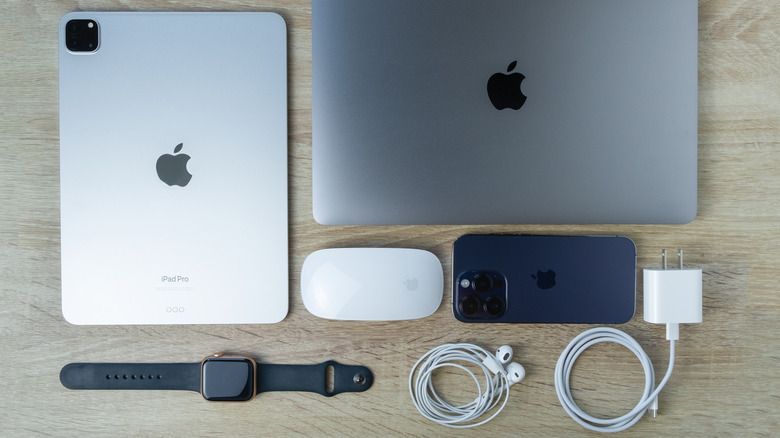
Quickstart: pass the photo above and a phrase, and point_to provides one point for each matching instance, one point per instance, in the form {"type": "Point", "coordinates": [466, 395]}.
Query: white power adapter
{"type": "Point", "coordinates": [672, 297]}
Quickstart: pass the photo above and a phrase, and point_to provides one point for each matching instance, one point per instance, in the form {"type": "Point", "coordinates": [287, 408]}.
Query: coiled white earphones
{"type": "Point", "coordinates": [499, 375]}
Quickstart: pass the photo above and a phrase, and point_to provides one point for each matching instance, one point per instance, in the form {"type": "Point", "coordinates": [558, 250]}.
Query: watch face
{"type": "Point", "coordinates": [228, 379]}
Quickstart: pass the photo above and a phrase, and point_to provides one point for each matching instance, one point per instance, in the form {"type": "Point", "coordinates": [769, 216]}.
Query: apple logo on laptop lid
{"type": "Point", "coordinates": [504, 89]}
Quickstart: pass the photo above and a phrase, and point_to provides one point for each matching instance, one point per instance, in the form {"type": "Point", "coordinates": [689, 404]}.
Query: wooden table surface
{"type": "Point", "coordinates": [725, 381]}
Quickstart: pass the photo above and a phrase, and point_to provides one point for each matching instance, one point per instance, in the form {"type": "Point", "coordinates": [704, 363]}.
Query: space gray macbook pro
{"type": "Point", "coordinates": [173, 167]}
{"type": "Point", "coordinates": [504, 111]}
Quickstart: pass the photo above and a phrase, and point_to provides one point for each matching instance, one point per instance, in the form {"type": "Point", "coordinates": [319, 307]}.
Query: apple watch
{"type": "Point", "coordinates": [219, 377]}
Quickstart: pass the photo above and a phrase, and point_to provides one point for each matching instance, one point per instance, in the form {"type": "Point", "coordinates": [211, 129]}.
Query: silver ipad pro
{"type": "Point", "coordinates": [504, 111]}
{"type": "Point", "coordinates": [173, 154]}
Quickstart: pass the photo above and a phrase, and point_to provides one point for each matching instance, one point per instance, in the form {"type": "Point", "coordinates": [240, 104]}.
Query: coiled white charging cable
{"type": "Point", "coordinates": [496, 390]}
{"type": "Point", "coordinates": [563, 373]}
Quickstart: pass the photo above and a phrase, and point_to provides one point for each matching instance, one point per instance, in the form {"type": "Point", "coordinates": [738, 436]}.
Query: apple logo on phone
{"type": "Point", "coordinates": [411, 284]}
{"type": "Point", "coordinates": [172, 169]}
{"type": "Point", "coordinates": [504, 89]}
{"type": "Point", "coordinates": [544, 280]}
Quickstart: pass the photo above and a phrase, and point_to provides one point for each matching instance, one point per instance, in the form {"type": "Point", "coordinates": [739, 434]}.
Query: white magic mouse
{"type": "Point", "coordinates": [372, 284]}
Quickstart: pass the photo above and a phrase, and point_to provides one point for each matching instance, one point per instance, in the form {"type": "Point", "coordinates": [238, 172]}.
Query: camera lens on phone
{"type": "Point", "coordinates": [483, 283]}
{"type": "Point", "coordinates": [494, 306]}
{"type": "Point", "coordinates": [469, 306]}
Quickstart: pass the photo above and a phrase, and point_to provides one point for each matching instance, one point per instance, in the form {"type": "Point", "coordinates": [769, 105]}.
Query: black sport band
{"type": "Point", "coordinates": [313, 378]}
{"type": "Point", "coordinates": [176, 376]}
{"type": "Point", "coordinates": [187, 376]}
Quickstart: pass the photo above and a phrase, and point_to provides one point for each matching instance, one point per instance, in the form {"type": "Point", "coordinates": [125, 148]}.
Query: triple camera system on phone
{"type": "Point", "coordinates": [482, 294]}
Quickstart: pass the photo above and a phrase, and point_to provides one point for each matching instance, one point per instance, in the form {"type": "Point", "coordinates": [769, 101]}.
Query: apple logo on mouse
{"type": "Point", "coordinates": [172, 169]}
{"type": "Point", "coordinates": [544, 280]}
{"type": "Point", "coordinates": [411, 284]}
{"type": "Point", "coordinates": [504, 89]}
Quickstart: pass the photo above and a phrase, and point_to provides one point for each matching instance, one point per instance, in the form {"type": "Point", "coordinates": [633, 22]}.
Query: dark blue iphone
{"type": "Point", "coordinates": [544, 279]}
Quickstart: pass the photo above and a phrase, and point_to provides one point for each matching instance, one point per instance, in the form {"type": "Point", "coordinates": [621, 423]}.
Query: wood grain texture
{"type": "Point", "coordinates": [726, 381]}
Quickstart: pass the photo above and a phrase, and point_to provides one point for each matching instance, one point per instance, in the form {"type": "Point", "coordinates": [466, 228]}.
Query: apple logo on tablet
{"type": "Point", "coordinates": [504, 89]}
{"type": "Point", "coordinates": [172, 169]}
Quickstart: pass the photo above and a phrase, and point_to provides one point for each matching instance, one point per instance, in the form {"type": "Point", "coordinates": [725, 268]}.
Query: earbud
{"type": "Point", "coordinates": [497, 363]}
{"type": "Point", "coordinates": [500, 365]}
{"type": "Point", "coordinates": [493, 364]}
{"type": "Point", "coordinates": [504, 354]}
{"type": "Point", "coordinates": [515, 373]}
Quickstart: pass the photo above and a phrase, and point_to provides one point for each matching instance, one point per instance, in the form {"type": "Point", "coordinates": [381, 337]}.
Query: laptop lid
{"type": "Point", "coordinates": [504, 111]}
{"type": "Point", "coordinates": [173, 154]}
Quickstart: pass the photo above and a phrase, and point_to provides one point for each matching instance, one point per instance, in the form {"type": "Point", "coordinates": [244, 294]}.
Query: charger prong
{"type": "Point", "coordinates": [663, 257]}
{"type": "Point", "coordinates": [680, 256]}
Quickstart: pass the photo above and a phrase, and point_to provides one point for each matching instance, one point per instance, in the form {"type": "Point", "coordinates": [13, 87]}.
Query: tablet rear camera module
{"type": "Point", "coordinates": [81, 35]}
